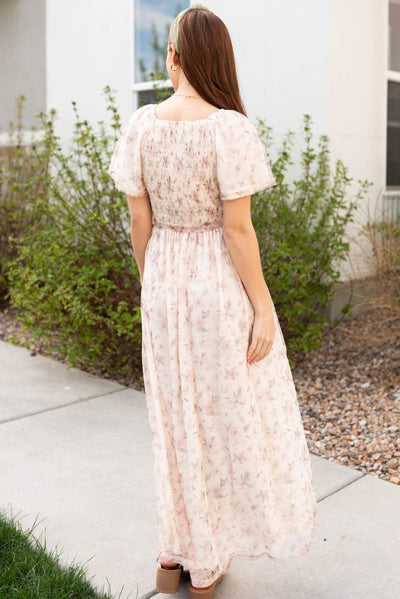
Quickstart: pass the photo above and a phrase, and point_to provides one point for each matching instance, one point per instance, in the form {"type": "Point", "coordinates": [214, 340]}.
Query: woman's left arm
{"type": "Point", "coordinates": [141, 227]}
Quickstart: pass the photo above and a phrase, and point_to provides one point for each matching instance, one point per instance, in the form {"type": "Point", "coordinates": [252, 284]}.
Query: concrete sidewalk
{"type": "Point", "coordinates": [75, 452]}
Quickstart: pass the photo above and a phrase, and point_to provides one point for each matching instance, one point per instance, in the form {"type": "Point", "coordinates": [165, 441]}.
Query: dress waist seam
{"type": "Point", "coordinates": [202, 227]}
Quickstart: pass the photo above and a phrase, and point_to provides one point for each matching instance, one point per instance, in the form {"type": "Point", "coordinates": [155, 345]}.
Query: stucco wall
{"type": "Point", "coordinates": [88, 47]}
{"type": "Point", "coordinates": [358, 108]}
{"type": "Point", "coordinates": [22, 63]}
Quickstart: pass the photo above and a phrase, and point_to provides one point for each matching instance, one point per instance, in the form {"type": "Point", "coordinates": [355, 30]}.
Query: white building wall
{"type": "Point", "coordinates": [88, 46]}
{"type": "Point", "coordinates": [326, 58]}
{"type": "Point", "coordinates": [281, 75]}
{"type": "Point", "coordinates": [283, 52]}
{"type": "Point", "coordinates": [358, 107]}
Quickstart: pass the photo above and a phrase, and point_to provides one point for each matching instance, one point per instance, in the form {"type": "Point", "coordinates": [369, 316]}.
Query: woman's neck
{"type": "Point", "coordinates": [184, 87]}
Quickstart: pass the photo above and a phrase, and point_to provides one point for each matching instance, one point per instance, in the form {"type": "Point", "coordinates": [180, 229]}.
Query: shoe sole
{"type": "Point", "coordinates": [207, 592]}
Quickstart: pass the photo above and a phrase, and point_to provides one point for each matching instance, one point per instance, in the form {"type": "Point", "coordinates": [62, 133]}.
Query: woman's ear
{"type": "Point", "coordinates": [175, 55]}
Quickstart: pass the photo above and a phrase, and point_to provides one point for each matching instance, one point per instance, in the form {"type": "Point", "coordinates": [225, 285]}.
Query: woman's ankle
{"type": "Point", "coordinates": [169, 566]}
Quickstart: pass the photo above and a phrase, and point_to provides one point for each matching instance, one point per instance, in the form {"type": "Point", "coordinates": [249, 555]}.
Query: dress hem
{"type": "Point", "coordinates": [175, 558]}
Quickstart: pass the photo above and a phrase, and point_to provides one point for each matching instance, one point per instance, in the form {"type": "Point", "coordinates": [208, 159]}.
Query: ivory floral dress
{"type": "Point", "coordinates": [232, 467]}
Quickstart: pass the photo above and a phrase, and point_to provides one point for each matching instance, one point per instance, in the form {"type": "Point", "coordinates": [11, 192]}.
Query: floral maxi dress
{"type": "Point", "coordinates": [232, 467]}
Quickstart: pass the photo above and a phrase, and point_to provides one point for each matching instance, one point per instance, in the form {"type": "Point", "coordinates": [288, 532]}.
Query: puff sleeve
{"type": "Point", "coordinates": [125, 167]}
{"type": "Point", "coordinates": [243, 167]}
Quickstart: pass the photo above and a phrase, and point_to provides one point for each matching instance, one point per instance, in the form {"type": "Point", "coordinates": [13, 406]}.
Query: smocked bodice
{"type": "Point", "coordinates": [187, 168]}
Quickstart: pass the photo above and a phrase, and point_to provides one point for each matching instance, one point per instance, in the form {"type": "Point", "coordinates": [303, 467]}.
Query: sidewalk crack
{"type": "Point", "coordinates": [65, 405]}
{"type": "Point", "coordinates": [362, 474]}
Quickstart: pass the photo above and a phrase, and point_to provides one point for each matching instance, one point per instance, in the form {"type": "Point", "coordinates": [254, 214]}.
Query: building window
{"type": "Point", "coordinates": [394, 35]}
{"type": "Point", "coordinates": [393, 136]}
{"type": "Point", "coordinates": [393, 99]}
{"type": "Point", "coordinates": [152, 19]}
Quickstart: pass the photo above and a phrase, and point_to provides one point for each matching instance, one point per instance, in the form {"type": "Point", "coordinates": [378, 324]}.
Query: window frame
{"type": "Point", "coordinates": [391, 76]}
{"type": "Point", "coordinates": [136, 88]}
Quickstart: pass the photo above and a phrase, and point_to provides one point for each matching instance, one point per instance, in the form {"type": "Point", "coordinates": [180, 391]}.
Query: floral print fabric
{"type": "Point", "coordinates": [232, 468]}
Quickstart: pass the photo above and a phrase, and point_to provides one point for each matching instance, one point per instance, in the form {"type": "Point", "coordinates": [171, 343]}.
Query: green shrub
{"type": "Point", "coordinates": [75, 272]}
{"type": "Point", "coordinates": [301, 230]}
{"type": "Point", "coordinates": [75, 275]}
{"type": "Point", "coordinates": [20, 182]}
{"type": "Point", "coordinates": [380, 290]}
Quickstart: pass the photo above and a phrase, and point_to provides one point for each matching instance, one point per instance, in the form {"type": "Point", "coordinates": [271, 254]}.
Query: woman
{"type": "Point", "coordinates": [232, 468]}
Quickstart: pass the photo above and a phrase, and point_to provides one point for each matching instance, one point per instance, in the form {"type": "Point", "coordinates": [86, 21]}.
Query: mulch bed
{"type": "Point", "coordinates": [348, 390]}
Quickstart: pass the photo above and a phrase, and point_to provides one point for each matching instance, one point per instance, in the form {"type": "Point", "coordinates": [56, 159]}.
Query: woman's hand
{"type": "Point", "coordinates": [262, 336]}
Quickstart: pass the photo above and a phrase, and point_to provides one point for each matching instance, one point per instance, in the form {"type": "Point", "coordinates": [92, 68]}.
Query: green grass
{"type": "Point", "coordinates": [29, 571]}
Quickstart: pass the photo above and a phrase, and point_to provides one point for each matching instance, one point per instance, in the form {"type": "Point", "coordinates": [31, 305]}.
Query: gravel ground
{"type": "Point", "coordinates": [349, 395]}
{"type": "Point", "coordinates": [348, 391]}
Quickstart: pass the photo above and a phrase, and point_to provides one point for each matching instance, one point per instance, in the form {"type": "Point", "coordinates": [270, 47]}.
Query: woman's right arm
{"type": "Point", "coordinates": [242, 243]}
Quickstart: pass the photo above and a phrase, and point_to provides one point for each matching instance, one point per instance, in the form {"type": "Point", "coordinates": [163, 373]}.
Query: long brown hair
{"type": "Point", "coordinates": [207, 59]}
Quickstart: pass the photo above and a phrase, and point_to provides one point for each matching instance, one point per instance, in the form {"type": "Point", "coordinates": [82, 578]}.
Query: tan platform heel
{"type": "Point", "coordinates": [167, 579]}
{"type": "Point", "coordinates": [206, 592]}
